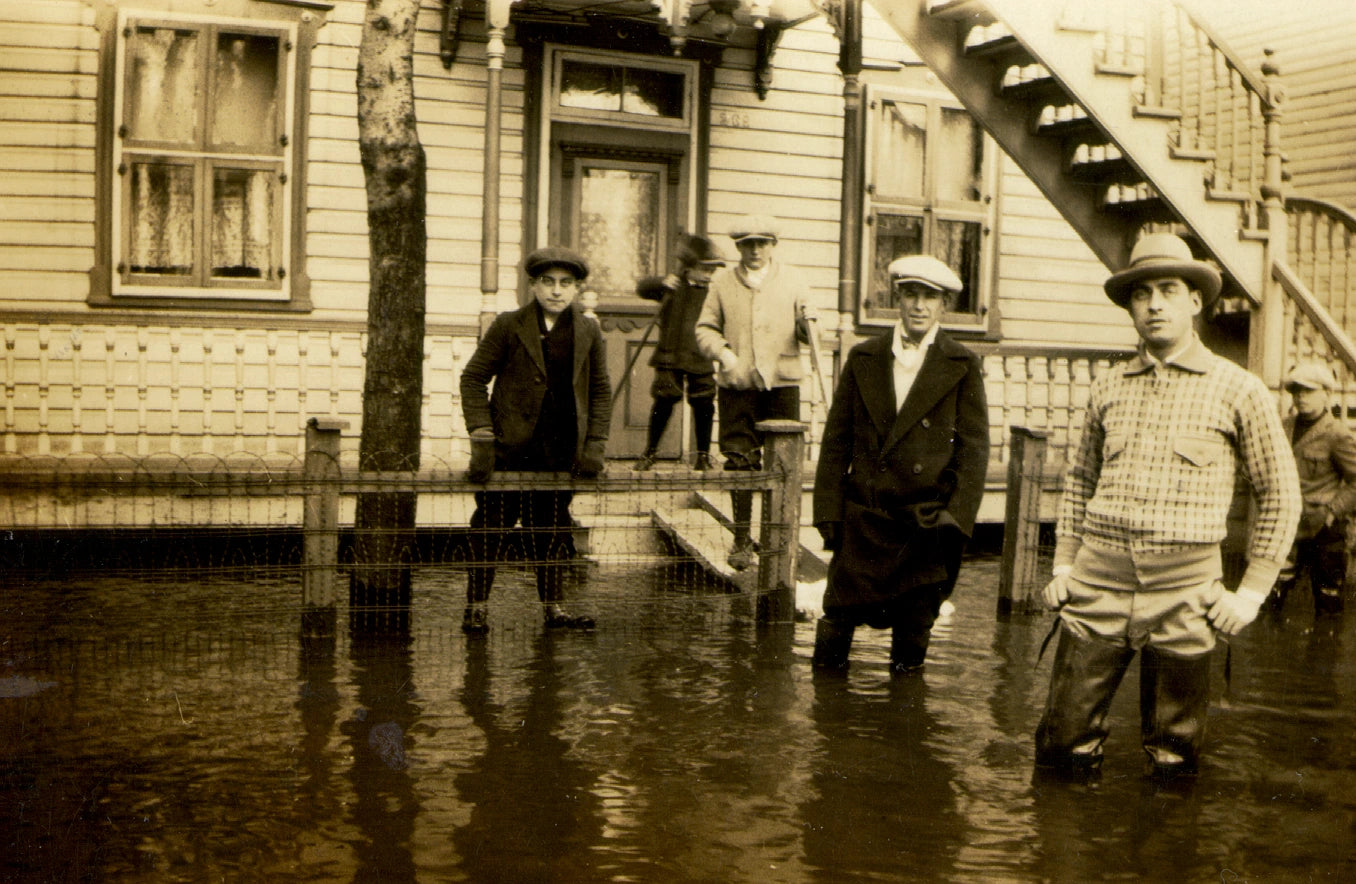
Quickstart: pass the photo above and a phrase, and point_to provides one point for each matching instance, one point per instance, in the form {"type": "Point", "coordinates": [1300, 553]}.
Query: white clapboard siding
{"type": "Point", "coordinates": [1314, 53]}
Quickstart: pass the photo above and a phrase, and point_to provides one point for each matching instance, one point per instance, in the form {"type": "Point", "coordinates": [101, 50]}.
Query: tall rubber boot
{"type": "Point", "coordinates": [1083, 679]}
{"type": "Point", "coordinates": [1174, 696]}
{"type": "Point", "coordinates": [833, 641]}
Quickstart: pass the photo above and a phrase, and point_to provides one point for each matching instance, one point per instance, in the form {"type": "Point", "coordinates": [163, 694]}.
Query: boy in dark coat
{"type": "Point", "coordinates": [901, 473]}
{"type": "Point", "coordinates": [549, 412]}
{"type": "Point", "coordinates": [678, 363]}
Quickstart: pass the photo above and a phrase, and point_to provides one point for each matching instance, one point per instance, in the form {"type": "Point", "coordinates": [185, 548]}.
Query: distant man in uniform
{"type": "Point", "coordinates": [1146, 497]}
{"type": "Point", "coordinates": [753, 323]}
{"type": "Point", "coordinates": [549, 412]}
{"type": "Point", "coordinates": [1325, 454]}
{"type": "Point", "coordinates": [901, 473]}
{"type": "Point", "coordinates": [680, 367]}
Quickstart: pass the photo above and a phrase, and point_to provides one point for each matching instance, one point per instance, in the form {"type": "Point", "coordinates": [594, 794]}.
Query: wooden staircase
{"type": "Point", "coordinates": [1130, 116]}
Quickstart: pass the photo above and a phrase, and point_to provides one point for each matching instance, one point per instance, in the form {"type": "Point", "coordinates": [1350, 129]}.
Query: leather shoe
{"type": "Point", "coordinates": [558, 618]}
{"type": "Point", "coordinates": [646, 461]}
{"type": "Point", "coordinates": [703, 462]}
{"type": "Point", "coordinates": [741, 557]}
{"type": "Point", "coordinates": [476, 620]}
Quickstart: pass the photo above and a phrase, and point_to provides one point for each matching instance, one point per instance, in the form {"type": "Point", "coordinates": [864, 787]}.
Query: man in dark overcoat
{"type": "Point", "coordinates": [901, 473]}
{"type": "Point", "coordinates": [550, 410]}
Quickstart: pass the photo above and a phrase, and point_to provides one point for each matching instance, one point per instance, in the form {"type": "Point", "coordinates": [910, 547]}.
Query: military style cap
{"type": "Point", "coordinates": [755, 227]}
{"type": "Point", "coordinates": [540, 260]}
{"type": "Point", "coordinates": [924, 269]}
{"type": "Point", "coordinates": [1163, 254]}
{"type": "Point", "coordinates": [1311, 375]}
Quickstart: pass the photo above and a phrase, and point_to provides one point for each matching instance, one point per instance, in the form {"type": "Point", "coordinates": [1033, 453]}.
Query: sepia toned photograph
{"type": "Point", "coordinates": [677, 441]}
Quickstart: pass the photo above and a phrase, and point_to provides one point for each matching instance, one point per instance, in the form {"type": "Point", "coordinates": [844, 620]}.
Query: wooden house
{"type": "Point", "coordinates": [185, 254]}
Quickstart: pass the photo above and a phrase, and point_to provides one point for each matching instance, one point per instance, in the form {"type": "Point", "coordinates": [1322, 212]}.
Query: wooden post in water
{"type": "Point", "coordinates": [1022, 521]}
{"type": "Point", "coordinates": [320, 525]}
{"type": "Point", "coordinates": [783, 450]}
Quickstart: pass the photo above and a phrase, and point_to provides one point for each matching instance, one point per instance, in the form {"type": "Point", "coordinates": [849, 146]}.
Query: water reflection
{"type": "Point", "coordinates": [534, 813]}
{"type": "Point", "coordinates": [883, 806]}
{"type": "Point", "coordinates": [161, 730]}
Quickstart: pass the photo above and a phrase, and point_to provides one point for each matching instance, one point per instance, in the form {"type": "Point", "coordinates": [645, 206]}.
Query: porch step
{"type": "Point", "coordinates": [702, 536]}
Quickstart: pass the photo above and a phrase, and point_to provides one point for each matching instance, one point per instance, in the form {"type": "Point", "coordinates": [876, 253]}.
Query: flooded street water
{"type": "Point", "coordinates": [180, 730]}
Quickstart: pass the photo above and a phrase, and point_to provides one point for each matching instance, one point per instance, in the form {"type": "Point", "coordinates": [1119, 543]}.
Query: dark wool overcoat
{"type": "Point", "coordinates": [1326, 458]}
{"type": "Point", "coordinates": [511, 355]}
{"type": "Point", "coordinates": [677, 320]}
{"type": "Point", "coordinates": [906, 483]}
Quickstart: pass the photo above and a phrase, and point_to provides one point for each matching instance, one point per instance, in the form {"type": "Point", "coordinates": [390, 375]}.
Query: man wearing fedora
{"type": "Point", "coordinates": [1325, 454]}
{"type": "Point", "coordinates": [901, 473]}
{"type": "Point", "coordinates": [1146, 496]}
{"type": "Point", "coordinates": [680, 367]}
{"type": "Point", "coordinates": [549, 411]}
{"type": "Point", "coordinates": [752, 324]}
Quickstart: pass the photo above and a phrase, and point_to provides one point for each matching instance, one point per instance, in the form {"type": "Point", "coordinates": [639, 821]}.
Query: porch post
{"type": "Point", "coordinates": [783, 452]}
{"type": "Point", "coordinates": [496, 21]}
{"type": "Point", "coordinates": [1017, 575]}
{"type": "Point", "coordinates": [320, 525]}
{"type": "Point", "coordinates": [1267, 333]}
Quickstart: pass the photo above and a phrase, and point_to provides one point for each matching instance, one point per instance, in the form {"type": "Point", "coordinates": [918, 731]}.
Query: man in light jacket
{"type": "Point", "coordinates": [753, 323]}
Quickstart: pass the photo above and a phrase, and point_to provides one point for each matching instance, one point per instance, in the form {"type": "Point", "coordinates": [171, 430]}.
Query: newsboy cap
{"type": "Point", "coordinates": [755, 227]}
{"type": "Point", "coordinates": [1163, 254]}
{"type": "Point", "coordinates": [1311, 375]}
{"type": "Point", "coordinates": [924, 269]}
{"type": "Point", "coordinates": [543, 259]}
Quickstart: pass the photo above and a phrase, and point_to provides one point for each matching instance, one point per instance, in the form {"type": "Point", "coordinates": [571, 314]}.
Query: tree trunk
{"type": "Point", "coordinates": [394, 172]}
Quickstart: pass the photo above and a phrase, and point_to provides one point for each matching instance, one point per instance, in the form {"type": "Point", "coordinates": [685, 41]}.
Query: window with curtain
{"type": "Point", "coordinates": [927, 194]}
{"type": "Point", "coordinates": [201, 157]}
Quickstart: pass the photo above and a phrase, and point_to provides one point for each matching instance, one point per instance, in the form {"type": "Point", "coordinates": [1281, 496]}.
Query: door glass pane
{"type": "Point", "coordinates": [619, 227]}
{"type": "Point", "coordinates": [958, 157]}
{"type": "Point", "coordinates": [245, 109]}
{"type": "Point", "coordinates": [163, 85]}
{"type": "Point", "coordinates": [901, 150]}
{"type": "Point", "coordinates": [242, 223]}
{"type": "Point", "coordinates": [896, 236]}
{"type": "Point", "coordinates": [590, 86]}
{"type": "Point", "coordinates": [957, 244]}
{"type": "Point", "coordinates": [161, 219]}
{"type": "Point", "coordinates": [653, 93]}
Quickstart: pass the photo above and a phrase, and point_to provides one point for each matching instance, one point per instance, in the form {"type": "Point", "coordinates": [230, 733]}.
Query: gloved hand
{"type": "Point", "coordinates": [1235, 610]}
{"type": "Point", "coordinates": [1056, 592]}
{"type": "Point", "coordinates": [832, 533]}
{"type": "Point", "coordinates": [590, 461]}
{"type": "Point", "coordinates": [482, 456]}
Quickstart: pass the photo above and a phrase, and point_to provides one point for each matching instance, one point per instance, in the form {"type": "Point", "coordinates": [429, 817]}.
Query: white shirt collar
{"type": "Point", "coordinates": [897, 341]}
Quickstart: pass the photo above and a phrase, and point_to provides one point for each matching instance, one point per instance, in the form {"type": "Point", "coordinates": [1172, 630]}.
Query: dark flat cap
{"type": "Point", "coordinates": [556, 256]}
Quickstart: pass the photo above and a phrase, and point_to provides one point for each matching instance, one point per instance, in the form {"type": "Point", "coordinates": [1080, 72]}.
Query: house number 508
{"type": "Point", "coordinates": [734, 120]}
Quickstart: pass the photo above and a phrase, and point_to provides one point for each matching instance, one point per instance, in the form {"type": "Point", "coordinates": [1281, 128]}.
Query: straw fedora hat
{"type": "Point", "coordinates": [1158, 255]}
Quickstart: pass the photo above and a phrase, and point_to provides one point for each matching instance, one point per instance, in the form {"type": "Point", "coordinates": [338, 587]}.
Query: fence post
{"type": "Point", "coordinates": [783, 450]}
{"type": "Point", "coordinates": [1022, 520]}
{"type": "Point", "coordinates": [320, 525]}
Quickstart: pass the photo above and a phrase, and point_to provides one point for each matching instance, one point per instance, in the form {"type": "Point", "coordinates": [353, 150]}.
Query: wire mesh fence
{"type": "Point", "coordinates": [323, 525]}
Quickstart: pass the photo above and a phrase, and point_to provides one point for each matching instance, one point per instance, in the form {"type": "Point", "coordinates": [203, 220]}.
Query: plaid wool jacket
{"type": "Point", "coordinates": [1154, 471]}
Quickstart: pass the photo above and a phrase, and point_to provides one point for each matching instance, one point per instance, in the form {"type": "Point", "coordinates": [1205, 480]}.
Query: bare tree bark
{"type": "Point", "coordinates": [394, 170]}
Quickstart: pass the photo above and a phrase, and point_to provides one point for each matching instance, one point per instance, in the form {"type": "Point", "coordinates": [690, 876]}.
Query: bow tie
{"type": "Point", "coordinates": [907, 342]}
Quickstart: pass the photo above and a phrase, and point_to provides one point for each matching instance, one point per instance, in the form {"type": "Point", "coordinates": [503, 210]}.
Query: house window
{"type": "Point", "coordinates": [202, 162]}
{"type": "Point", "coordinates": [928, 192]}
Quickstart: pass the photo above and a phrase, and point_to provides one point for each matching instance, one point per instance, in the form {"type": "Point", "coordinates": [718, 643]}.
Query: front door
{"type": "Point", "coordinates": [618, 146]}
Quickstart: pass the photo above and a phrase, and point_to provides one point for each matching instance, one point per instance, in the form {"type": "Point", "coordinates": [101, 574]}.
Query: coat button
{"type": "Point", "coordinates": [926, 423]}
{"type": "Point", "coordinates": [917, 468]}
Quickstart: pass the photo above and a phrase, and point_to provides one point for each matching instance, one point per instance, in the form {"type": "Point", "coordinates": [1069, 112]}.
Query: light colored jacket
{"type": "Point", "coordinates": [763, 327]}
